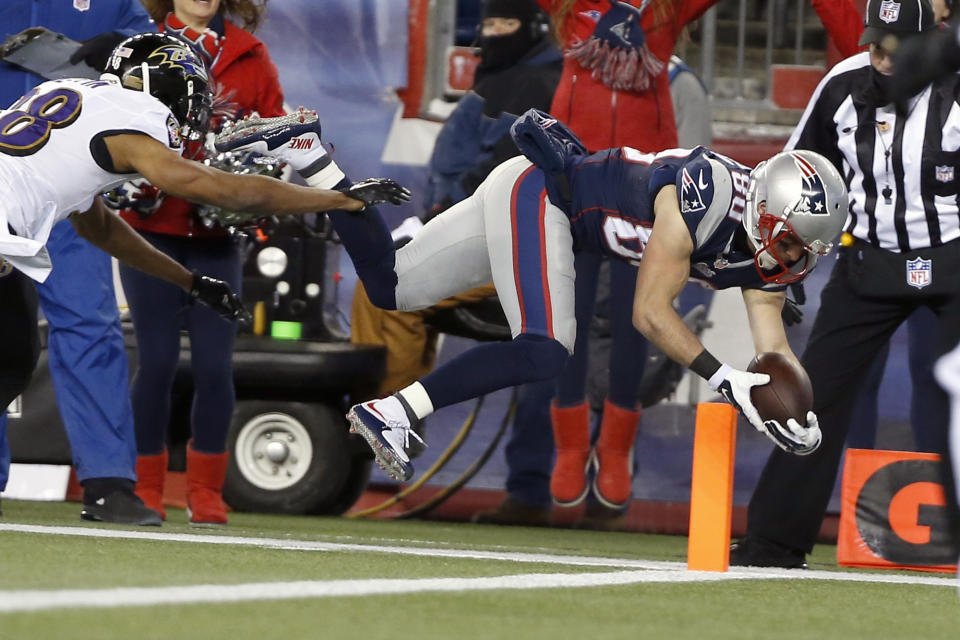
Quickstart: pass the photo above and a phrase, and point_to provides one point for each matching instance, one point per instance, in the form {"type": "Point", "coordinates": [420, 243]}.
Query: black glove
{"type": "Point", "coordinates": [792, 313]}
{"type": "Point", "coordinates": [96, 51]}
{"type": "Point", "coordinates": [374, 191]}
{"type": "Point", "coordinates": [218, 295]}
{"type": "Point", "coordinates": [920, 60]}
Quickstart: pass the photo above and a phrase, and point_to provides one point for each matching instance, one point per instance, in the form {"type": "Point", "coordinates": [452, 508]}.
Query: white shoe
{"type": "Point", "coordinates": [386, 428]}
{"type": "Point", "coordinates": [293, 138]}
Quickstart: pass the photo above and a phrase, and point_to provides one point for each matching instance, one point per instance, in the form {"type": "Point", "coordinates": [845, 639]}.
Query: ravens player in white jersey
{"type": "Point", "coordinates": [680, 214]}
{"type": "Point", "coordinates": [67, 141]}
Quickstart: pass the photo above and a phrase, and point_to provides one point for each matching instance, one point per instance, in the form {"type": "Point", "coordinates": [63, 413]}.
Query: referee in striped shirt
{"type": "Point", "coordinates": [900, 251]}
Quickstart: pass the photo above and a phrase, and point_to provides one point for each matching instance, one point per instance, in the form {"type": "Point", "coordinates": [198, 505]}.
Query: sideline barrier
{"type": "Point", "coordinates": [711, 488]}
{"type": "Point", "coordinates": [893, 513]}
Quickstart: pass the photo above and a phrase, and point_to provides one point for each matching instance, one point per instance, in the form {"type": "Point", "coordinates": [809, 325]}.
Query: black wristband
{"type": "Point", "coordinates": [705, 365]}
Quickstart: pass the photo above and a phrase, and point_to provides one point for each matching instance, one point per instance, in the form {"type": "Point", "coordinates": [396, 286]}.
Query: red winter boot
{"type": "Point", "coordinates": [571, 435]}
{"type": "Point", "coordinates": [151, 473]}
{"type": "Point", "coordinates": [205, 475]}
{"type": "Point", "coordinates": [614, 455]}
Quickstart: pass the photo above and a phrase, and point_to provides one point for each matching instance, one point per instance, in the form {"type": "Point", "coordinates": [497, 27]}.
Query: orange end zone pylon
{"type": "Point", "coordinates": [711, 488]}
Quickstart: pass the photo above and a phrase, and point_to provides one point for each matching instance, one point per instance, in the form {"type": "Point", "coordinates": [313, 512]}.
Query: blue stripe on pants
{"type": "Point", "coordinates": [527, 209]}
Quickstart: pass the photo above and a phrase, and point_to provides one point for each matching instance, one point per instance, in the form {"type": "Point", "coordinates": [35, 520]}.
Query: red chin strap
{"type": "Point", "coordinates": [768, 242]}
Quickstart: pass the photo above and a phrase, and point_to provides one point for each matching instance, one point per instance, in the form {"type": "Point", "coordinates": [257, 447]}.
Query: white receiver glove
{"type": "Point", "coordinates": [735, 387]}
{"type": "Point", "coordinates": [795, 438]}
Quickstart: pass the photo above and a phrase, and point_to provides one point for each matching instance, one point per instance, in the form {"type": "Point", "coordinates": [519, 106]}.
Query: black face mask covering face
{"type": "Point", "coordinates": [503, 51]}
{"type": "Point", "coordinates": [881, 87]}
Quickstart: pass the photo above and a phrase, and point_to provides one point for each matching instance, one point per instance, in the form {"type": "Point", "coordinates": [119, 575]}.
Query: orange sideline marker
{"type": "Point", "coordinates": [711, 488]}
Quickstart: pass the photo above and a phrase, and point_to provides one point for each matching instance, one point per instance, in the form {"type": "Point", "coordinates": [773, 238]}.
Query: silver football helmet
{"type": "Point", "coordinates": [795, 192]}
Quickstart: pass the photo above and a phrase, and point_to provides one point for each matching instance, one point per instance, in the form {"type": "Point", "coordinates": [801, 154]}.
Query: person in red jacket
{"type": "Point", "coordinates": [245, 80]}
{"type": "Point", "coordinates": [634, 109]}
{"type": "Point", "coordinates": [614, 91]}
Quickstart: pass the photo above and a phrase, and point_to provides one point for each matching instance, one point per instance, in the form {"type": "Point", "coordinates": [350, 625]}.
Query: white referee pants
{"type": "Point", "coordinates": [947, 372]}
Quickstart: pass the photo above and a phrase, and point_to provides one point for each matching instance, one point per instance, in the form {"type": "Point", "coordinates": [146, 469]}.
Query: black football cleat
{"type": "Point", "coordinates": [757, 552]}
{"type": "Point", "coordinates": [121, 507]}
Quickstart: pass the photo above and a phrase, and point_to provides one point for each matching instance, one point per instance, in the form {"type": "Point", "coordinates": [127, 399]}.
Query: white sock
{"type": "Point", "coordinates": [326, 178]}
{"type": "Point", "coordinates": [418, 400]}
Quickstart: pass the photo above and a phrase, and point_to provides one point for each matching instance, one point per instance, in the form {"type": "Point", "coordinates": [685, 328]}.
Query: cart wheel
{"type": "Point", "coordinates": [286, 457]}
{"type": "Point", "coordinates": [353, 488]}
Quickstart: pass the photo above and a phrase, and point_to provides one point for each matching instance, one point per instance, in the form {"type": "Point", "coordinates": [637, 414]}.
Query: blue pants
{"type": "Point", "coordinates": [88, 362]}
{"type": "Point", "coordinates": [628, 354]}
{"type": "Point", "coordinates": [159, 311]}
{"type": "Point", "coordinates": [529, 451]}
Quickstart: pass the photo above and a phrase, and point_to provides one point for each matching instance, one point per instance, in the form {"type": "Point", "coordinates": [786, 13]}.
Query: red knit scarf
{"type": "Point", "coordinates": [208, 43]}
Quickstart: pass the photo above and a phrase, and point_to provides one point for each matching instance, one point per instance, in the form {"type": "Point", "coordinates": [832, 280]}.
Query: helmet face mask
{"type": "Point", "coordinates": [169, 70]}
{"type": "Point", "coordinates": [197, 107]}
{"type": "Point", "coordinates": [773, 231]}
{"type": "Point", "coordinates": [796, 197]}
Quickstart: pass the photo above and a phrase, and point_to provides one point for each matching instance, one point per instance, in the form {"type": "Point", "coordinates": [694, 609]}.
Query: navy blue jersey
{"type": "Point", "coordinates": [611, 208]}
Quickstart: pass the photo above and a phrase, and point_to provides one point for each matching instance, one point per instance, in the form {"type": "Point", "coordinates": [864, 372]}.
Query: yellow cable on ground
{"type": "Point", "coordinates": [429, 473]}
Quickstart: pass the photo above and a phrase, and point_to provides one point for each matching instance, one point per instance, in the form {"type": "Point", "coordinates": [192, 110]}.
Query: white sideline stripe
{"type": "Point", "coordinates": [310, 545]}
{"type": "Point", "coordinates": [17, 601]}
{"type": "Point", "coordinates": [525, 557]}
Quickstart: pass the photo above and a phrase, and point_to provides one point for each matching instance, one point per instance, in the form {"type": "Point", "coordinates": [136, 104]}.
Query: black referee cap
{"type": "Point", "coordinates": [899, 18]}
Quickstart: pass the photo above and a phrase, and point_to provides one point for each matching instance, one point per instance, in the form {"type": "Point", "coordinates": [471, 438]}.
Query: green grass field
{"type": "Point", "coordinates": [308, 577]}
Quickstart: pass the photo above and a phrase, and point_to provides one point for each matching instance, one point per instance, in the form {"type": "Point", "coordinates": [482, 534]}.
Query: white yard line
{"type": "Point", "coordinates": [634, 571]}
{"type": "Point", "coordinates": [310, 545]}
{"type": "Point", "coordinates": [16, 601]}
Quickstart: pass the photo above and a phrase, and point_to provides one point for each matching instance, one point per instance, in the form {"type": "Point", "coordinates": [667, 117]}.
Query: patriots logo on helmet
{"type": "Point", "coordinates": [813, 198]}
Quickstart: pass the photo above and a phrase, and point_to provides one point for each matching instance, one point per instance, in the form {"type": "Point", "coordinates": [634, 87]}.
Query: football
{"type": "Point", "coordinates": [787, 395]}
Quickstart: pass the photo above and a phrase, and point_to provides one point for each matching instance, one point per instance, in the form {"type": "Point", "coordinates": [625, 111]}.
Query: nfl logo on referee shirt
{"type": "Point", "coordinates": [944, 173]}
{"type": "Point", "coordinates": [919, 272]}
{"type": "Point", "coordinates": [889, 11]}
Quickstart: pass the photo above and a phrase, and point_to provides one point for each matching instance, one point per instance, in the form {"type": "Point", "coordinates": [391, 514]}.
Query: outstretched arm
{"type": "Point", "coordinates": [766, 325]}
{"type": "Point", "coordinates": [663, 272]}
{"type": "Point", "coordinates": [113, 235]}
{"type": "Point", "coordinates": [196, 182]}
{"type": "Point", "coordinates": [766, 322]}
